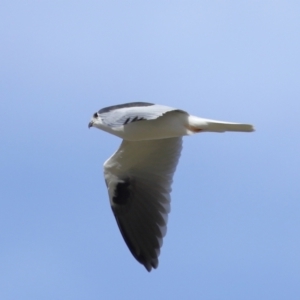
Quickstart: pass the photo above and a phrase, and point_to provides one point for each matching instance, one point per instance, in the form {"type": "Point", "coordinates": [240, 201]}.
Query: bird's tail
{"type": "Point", "coordinates": [199, 124]}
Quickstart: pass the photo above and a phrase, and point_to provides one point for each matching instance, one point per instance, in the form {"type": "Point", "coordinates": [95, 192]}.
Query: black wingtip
{"type": "Point", "coordinates": [153, 264]}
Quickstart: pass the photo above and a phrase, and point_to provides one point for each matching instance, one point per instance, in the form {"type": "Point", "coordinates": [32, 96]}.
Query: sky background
{"type": "Point", "coordinates": [234, 228]}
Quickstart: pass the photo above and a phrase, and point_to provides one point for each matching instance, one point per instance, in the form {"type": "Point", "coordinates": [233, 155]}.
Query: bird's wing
{"type": "Point", "coordinates": [118, 115]}
{"type": "Point", "coordinates": [139, 177]}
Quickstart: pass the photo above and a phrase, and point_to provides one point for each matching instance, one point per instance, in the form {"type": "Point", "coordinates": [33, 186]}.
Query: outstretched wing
{"type": "Point", "coordinates": [139, 177]}
{"type": "Point", "coordinates": [119, 115]}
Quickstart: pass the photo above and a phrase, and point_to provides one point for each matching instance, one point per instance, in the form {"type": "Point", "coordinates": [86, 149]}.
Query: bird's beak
{"type": "Point", "coordinates": [91, 124]}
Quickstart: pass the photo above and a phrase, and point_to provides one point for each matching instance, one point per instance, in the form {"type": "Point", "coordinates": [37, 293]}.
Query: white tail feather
{"type": "Point", "coordinates": [199, 124]}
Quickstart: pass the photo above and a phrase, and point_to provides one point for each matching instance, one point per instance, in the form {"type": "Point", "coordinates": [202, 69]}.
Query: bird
{"type": "Point", "coordinates": [140, 173]}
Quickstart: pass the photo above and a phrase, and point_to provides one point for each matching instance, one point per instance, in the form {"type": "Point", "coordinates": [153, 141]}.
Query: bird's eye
{"type": "Point", "coordinates": [95, 115]}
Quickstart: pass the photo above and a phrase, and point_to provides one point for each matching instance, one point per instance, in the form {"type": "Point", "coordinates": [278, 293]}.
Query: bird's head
{"type": "Point", "coordinates": [96, 120]}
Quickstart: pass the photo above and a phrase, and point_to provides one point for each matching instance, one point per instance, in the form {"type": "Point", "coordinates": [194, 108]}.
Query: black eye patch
{"type": "Point", "coordinates": [95, 115]}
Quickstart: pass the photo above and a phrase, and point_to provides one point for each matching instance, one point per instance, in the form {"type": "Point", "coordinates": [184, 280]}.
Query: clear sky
{"type": "Point", "coordinates": [234, 229]}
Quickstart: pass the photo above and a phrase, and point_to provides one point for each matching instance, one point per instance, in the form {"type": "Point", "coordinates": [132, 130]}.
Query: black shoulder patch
{"type": "Point", "coordinates": [130, 104]}
{"type": "Point", "coordinates": [122, 192]}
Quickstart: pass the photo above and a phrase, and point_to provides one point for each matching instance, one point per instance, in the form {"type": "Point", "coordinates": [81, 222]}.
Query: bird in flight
{"type": "Point", "coordinates": [139, 174]}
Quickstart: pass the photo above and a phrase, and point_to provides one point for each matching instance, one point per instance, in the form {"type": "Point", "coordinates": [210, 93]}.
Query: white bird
{"type": "Point", "coordinates": [139, 174]}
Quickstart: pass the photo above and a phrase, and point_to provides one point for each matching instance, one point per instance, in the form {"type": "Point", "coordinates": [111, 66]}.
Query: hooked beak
{"type": "Point", "coordinates": [91, 124]}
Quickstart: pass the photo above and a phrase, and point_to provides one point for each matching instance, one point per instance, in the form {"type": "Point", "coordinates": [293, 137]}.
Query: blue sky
{"type": "Point", "coordinates": [234, 227]}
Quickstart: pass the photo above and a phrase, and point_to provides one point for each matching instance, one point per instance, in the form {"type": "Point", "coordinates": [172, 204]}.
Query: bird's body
{"type": "Point", "coordinates": [162, 122]}
{"type": "Point", "coordinates": [139, 174]}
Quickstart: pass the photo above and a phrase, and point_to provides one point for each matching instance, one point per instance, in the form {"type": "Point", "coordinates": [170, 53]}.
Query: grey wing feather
{"type": "Point", "coordinates": [127, 113]}
{"type": "Point", "coordinates": [139, 177]}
